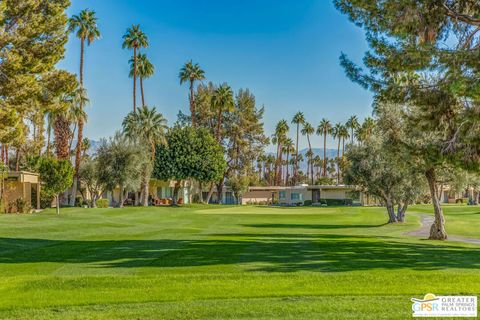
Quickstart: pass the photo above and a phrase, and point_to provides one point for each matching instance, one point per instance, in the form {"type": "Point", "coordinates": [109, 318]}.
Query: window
{"type": "Point", "coordinates": [296, 196]}
{"type": "Point", "coordinates": [282, 195]}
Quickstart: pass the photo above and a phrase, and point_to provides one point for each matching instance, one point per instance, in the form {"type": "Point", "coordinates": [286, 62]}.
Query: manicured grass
{"type": "Point", "coordinates": [210, 262]}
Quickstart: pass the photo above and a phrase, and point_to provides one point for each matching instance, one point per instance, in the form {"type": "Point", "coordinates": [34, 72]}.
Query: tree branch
{"type": "Point", "coordinates": [461, 17]}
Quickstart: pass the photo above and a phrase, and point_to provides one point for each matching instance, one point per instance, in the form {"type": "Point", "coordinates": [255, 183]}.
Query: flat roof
{"type": "Point", "coordinates": [279, 188]}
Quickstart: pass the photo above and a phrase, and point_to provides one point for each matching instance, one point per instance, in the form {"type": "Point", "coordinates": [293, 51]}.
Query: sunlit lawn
{"type": "Point", "coordinates": [215, 262]}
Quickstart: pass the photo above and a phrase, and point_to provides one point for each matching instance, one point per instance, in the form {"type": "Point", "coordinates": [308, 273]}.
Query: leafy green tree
{"type": "Point", "coordinates": [121, 162]}
{"type": "Point", "coordinates": [222, 101]}
{"type": "Point", "coordinates": [32, 39]}
{"type": "Point", "coordinates": [191, 72]}
{"type": "Point", "coordinates": [135, 39]}
{"type": "Point", "coordinates": [56, 175]}
{"type": "Point", "coordinates": [324, 129]}
{"type": "Point", "coordinates": [424, 57]}
{"type": "Point", "coordinates": [298, 120]}
{"type": "Point", "coordinates": [89, 175]}
{"type": "Point", "coordinates": [189, 154]}
{"type": "Point", "coordinates": [147, 127]}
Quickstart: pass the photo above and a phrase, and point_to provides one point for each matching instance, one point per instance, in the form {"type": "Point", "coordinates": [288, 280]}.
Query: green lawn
{"type": "Point", "coordinates": [210, 262]}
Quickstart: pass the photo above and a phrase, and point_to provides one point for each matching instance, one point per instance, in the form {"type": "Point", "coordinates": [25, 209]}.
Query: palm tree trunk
{"type": "Point", "coordinates": [134, 79]}
{"type": "Point", "coordinates": [192, 105]}
{"type": "Point", "coordinates": [338, 162]}
{"type": "Point", "coordinates": [295, 170]}
{"type": "Point", "coordinates": [311, 158]}
{"type": "Point", "coordinates": [286, 174]}
{"type": "Point", "coordinates": [82, 52]}
{"type": "Point", "coordinates": [219, 124]}
{"type": "Point", "coordinates": [352, 135]}
{"type": "Point", "coordinates": [325, 153]}
{"type": "Point", "coordinates": [17, 159]}
{"type": "Point", "coordinates": [78, 160]}
{"type": "Point", "coordinates": [141, 91]}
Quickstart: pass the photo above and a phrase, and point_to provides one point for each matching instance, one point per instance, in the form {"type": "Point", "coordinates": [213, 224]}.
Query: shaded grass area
{"type": "Point", "coordinates": [203, 262]}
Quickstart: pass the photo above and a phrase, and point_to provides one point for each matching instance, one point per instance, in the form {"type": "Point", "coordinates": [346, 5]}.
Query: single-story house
{"type": "Point", "coordinates": [22, 185]}
{"type": "Point", "coordinates": [293, 195]}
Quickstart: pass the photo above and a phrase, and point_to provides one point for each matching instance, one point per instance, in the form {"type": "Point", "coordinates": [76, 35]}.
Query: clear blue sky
{"type": "Point", "coordinates": [285, 52]}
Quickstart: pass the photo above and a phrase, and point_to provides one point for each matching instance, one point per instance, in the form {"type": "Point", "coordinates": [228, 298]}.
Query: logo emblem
{"type": "Point", "coordinates": [444, 306]}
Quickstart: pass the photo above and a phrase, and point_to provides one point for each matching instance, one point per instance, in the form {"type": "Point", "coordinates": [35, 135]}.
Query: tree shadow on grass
{"type": "Point", "coordinates": [265, 252]}
{"type": "Point", "coordinates": [313, 226]}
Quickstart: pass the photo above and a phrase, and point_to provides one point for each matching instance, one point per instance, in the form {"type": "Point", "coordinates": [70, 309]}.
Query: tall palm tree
{"type": "Point", "coordinates": [85, 25]}
{"type": "Point", "coordinates": [324, 128]}
{"type": "Point", "coordinates": [352, 124]}
{"type": "Point", "coordinates": [222, 102]}
{"type": "Point", "coordinates": [336, 133]}
{"type": "Point", "coordinates": [149, 127]}
{"type": "Point", "coordinates": [87, 30]}
{"type": "Point", "coordinates": [344, 135]}
{"type": "Point", "coordinates": [135, 39]}
{"type": "Point", "coordinates": [279, 138]}
{"type": "Point", "coordinates": [308, 130]}
{"type": "Point", "coordinates": [145, 69]}
{"type": "Point", "coordinates": [298, 119]}
{"type": "Point", "coordinates": [191, 72]}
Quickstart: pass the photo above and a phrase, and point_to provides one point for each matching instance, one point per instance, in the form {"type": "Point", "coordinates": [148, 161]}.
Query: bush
{"type": "Point", "coordinates": [102, 203]}
{"type": "Point", "coordinates": [46, 199]}
{"type": "Point", "coordinates": [22, 206]}
{"type": "Point", "coordinates": [196, 198]}
{"type": "Point", "coordinates": [307, 203]}
{"type": "Point", "coordinates": [335, 202]}
{"type": "Point", "coordinates": [79, 202]}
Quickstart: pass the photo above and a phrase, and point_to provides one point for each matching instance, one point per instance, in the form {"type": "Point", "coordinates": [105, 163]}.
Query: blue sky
{"type": "Point", "coordinates": [285, 52]}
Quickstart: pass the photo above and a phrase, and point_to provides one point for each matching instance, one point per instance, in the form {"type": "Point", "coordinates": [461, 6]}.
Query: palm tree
{"type": "Point", "coordinates": [86, 25]}
{"type": "Point", "coordinates": [87, 30]}
{"type": "Point", "coordinates": [344, 135]}
{"type": "Point", "coordinates": [222, 102]}
{"type": "Point", "coordinates": [365, 131]}
{"type": "Point", "coordinates": [145, 69]}
{"type": "Point", "coordinates": [308, 130]}
{"type": "Point", "coordinates": [336, 133]}
{"type": "Point", "coordinates": [149, 127]}
{"type": "Point", "coordinates": [287, 149]}
{"type": "Point", "coordinates": [191, 72]}
{"type": "Point", "coordinates": [298, 119]}
{"type": "Point", "coordinates": [279, 139]}
{"type": "Point", "coordinates": [352, 124]}
{"type": "Point", "coordinates": [135, 39]}
{"type": "Point", "coordinates": [324, 128]}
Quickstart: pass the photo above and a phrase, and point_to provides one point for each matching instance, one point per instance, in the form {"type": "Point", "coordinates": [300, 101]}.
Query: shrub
{"type": "Point", "coordinates": [46, 199]}
{"type": "Point", "coordinates": [307, 203]}
{"type": "Point", "coordinates": [22, 206]}
{"type": "Point", "coordinates": [102, 203]}
{"type": "Point", "coordinates": [79, 201]}
{"type": "Point", "coordinates": [333, 202]}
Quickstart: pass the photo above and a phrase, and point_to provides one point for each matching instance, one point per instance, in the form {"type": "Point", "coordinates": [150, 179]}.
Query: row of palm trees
{"type": "Point", "coordinates": [340, 132]}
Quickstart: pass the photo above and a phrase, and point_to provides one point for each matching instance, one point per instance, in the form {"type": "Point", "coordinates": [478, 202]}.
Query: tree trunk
{"type": "Point", "coordinates": [392, 218]}
{"type": "Point", "coordinates": [192, 106]}
{"type": "Point", "coordinates": [17, 159]}
{"type": "Point", "coordinates": [120, 197]}
{"type": "Point", "coordinates": [325, 153]}
{"type": "Point", "coordinates": [401, 210]}
{"type": "Point", "coordinates": [145, 188]}
{"type": "Point", "coordinates": [134, 79]}
{"type": "Point", "coordinates": [58, 203]}
{"type": "Point", "coordinates": [437, 230]}
{"type": "Point", "coordinates": [220, 192]}
{"type": "Point", "coordinates": [175, 193]}
{"type": "Point", "coordinates": [141, 91]}
{"type": "Point", "coordinates": [286, 174]}
{"type": "Point", "coordinates": [219, 124]}
{"type": "Point", "coordinates": [311, 159]}
{"type": "Point", "coordinates": [338, 162]}
{"type": "Point", "coordinates": [295, 170]}
{"type": "Point", "coordinates": [210, 192]}
{"type": "Point", "coordinates": [82, 52]}
{"type": "Point", "coordinates": [78, 160]}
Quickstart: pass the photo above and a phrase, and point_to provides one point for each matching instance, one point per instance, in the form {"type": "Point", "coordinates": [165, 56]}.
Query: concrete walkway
{"type": "Point", "coordinates": [424, 231]}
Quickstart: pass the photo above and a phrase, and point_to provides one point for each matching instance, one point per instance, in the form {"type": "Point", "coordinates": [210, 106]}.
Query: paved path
{"type": "Point", "coordinates": [424, 231]}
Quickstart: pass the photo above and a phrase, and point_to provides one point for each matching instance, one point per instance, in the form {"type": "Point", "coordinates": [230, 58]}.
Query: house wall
{"type": "Point", "coordinates": [333, 194]}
